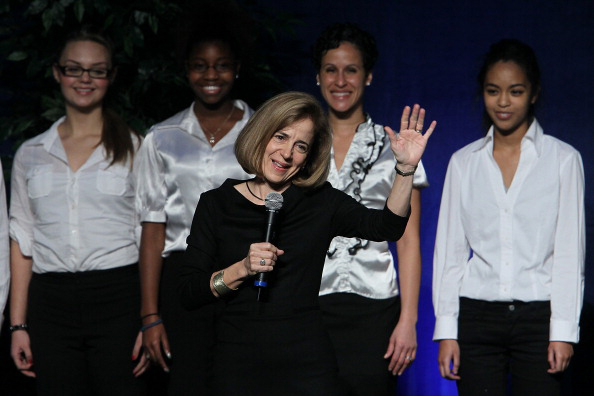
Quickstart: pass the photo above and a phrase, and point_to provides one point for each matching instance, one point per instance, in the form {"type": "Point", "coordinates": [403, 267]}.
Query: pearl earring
{"type": "Point", "coordinates": [318, 83]}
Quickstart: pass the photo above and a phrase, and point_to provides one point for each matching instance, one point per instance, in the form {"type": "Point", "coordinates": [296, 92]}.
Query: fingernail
{"type": "Point", "coordinates": [133, 357]}
{"type": "Point", "coordinates": [166, 369]}
{"type": "Point", "coordinates": [168, 354]}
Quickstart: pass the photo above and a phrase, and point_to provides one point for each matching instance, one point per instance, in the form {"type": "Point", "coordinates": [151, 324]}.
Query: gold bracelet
{"type": "Point", "coordinates": [218, 283]}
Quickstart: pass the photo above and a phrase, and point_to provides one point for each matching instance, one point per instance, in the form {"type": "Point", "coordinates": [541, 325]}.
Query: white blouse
{"type": "Point", "coordinates": [355, 265]}
{"type": "Point", "coordinates": [176, 165]}
{"type": "Point", "coordinates": [72, 221]}
{"type": "Point", "coordinates": [526, 243]}
{"type": "Point", "coordinates": [4, 264]}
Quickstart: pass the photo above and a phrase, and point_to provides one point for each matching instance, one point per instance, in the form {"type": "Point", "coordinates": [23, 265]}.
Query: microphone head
{"type": "Point", "coordinates": [273, 201]}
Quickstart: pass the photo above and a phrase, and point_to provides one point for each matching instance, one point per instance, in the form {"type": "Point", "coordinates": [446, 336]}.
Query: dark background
{"type": "Point", "coordinates": [430, 52]}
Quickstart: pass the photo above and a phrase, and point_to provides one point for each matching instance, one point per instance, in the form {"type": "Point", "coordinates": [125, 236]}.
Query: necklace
{"type": "Point", "coordinates": [213, 135]}
{"type": "Point", "coordinates": [248, 187]}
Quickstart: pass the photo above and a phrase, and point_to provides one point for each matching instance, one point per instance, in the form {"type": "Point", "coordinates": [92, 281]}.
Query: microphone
{"type": "Point", "coordinates": [273, 204]}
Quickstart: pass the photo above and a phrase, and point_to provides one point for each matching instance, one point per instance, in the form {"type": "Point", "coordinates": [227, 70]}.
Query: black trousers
{"type": "Point", "coordinates": [360, 329]}
{"type": "Point", "coordinates": [286, 354]}
{"type": "Point", "coordinates": [190, 335]}
{"type": "Point", "coordinates": [82, 328]}
{"type": "Point", "coordinates": [505, 339]}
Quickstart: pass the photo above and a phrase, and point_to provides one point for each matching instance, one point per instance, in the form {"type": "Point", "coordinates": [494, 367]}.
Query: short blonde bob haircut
{"type": "Point", "coordinates": [274, 115]}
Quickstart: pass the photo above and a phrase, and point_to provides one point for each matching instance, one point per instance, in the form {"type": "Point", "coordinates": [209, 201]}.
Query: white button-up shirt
{"type": "Point", "coordinates": [176, 165]}
{"type": "Point", "coordinates": [355, 265]}
{"type": "Point", "coordinates": [72, 221]}
{"type": "Point", "coordinates": [526, 243]}
{"type": "Point", "coordinates": [4, 264]}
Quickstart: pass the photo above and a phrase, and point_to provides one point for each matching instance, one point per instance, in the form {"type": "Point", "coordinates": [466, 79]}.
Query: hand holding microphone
{"type": "Point", "coordinates": [261, 258]}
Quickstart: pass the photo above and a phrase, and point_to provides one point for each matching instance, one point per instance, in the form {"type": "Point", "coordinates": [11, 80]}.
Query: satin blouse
{"type": "Point", "coordinates": [355, 265]}
{"type": "Point", "coordinates": [176, 165]}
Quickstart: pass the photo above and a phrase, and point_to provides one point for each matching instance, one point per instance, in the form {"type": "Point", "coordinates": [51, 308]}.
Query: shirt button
{"type": "Point", "coordinates": [512, 307]}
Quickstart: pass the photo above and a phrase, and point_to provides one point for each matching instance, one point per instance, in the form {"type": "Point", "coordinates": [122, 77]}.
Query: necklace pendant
{"type": "Point", "coordinates": [211, 140]}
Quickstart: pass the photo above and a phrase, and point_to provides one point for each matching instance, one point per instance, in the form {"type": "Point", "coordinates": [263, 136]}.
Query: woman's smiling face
{"type": "Point", "coordinates": [343, 78]}
{"type": "Point", "coordinates": [507, 95]}
{"type": "Point", "coordinates": [286, 153]}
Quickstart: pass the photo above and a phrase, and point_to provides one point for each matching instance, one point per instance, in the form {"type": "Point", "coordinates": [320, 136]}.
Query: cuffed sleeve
{"type": "Point", "coordinates": [450, 258]}
{"type": "Point", "coordinates": [151, 189]}
{"type": "Point", "coordinates": [21, 215]}
{"type": "Point", "coordinates": [569, 253]}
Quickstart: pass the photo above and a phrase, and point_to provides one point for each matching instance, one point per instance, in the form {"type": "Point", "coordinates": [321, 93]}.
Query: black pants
{"type": "Point", "coordinates": [82, 328]}
{"type": "Point", "coordinates": [286, 354]}
{"type": "Point", "coordinates": [190, 335]}
{"type": "Point", "coordinates": [501, 339]}
{"type": "Point", "coordinates": [360, 329]}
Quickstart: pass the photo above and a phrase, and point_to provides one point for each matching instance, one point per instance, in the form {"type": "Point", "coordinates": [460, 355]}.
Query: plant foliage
{"type": "Point", "coordinates": [148, 38]}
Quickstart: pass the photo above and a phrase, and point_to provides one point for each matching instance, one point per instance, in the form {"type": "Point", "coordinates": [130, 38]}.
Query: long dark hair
{"type": "Point", "coordinates": [115, 135]}
{"type": "Point", "coordinates": [511, 50]}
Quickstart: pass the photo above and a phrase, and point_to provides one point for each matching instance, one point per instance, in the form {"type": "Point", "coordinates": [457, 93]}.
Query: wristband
{"type": "Point", "coordinates": [152, 324]}
{"type": "Point", "coordinates": [412, 172]}
{"type": "Point", "coordinates": [147, 315]}
{"type": "Point", "coordinates": [16, 327]}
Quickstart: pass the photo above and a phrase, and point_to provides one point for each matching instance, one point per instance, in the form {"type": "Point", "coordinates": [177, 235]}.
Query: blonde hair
{"type": "Point", "coordinates": [278, 113]}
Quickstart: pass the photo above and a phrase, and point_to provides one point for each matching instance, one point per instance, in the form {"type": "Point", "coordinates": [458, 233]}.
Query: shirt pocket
{"type": "Point", "coordinates": [39, 181]}
{"type": "Point", "coordinates": [112, 180]}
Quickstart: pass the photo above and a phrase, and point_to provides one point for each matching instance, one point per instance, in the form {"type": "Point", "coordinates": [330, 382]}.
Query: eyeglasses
{"type": "Point", "coordinates": [77, 71]}
{"type": "Point", "coordinates": [197, 67]}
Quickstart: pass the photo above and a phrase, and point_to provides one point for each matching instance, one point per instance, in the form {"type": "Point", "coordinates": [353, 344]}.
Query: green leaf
{"type": "Point", "coordinates": [36, 7]}
{"type": "Point", "coordinates": [53, 16]}
{"type": "Point", "coordinates": [108, 21]}
{"type": "Point", "coordinates": [129, 45]}
{"type": "Point", "coordinates": [17, 56]}
{"type": "Point", "coordinates": [79, 10]}
{"type": "Point", "coordinates": [140, 17]}
{"type": "Point", "coordinates": [153, 23]}
{"type": "Point", "coordinates": [53, 114]}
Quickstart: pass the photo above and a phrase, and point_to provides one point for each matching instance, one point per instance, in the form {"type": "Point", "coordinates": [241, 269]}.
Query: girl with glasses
{"type": "Point", "coordinates": [73, 230]}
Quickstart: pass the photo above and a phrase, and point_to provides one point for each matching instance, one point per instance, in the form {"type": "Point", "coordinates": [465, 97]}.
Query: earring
{"type": "Point", "coordinates": [236, 76]}
{"type": "Point", "coordinates": [368, 84]}
{"type": "Point", "coordinates": [318, 83]}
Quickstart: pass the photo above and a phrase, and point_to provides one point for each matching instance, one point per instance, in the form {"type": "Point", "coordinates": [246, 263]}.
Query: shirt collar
{"type": "Point", "coordinates": [534, 135]}
{"type": "Point", "coordinates": [48, 140]}
{"type": "Point", "coordinates": [52, 144]}
{"type": "Point", "coordinates": [191, 124]}
{"type": "Point", "coordinates": [365, 125]}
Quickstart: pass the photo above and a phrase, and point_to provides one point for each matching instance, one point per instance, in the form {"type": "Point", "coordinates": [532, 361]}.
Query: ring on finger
{"type": "Point", "coordinates": [147, 356]}
{"type": "Point", "coordinates": [263, 262]}
{"type": "Point", "coordinates": [419, 130]}
{"type": "Point", "coordinates": [408, 358]}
